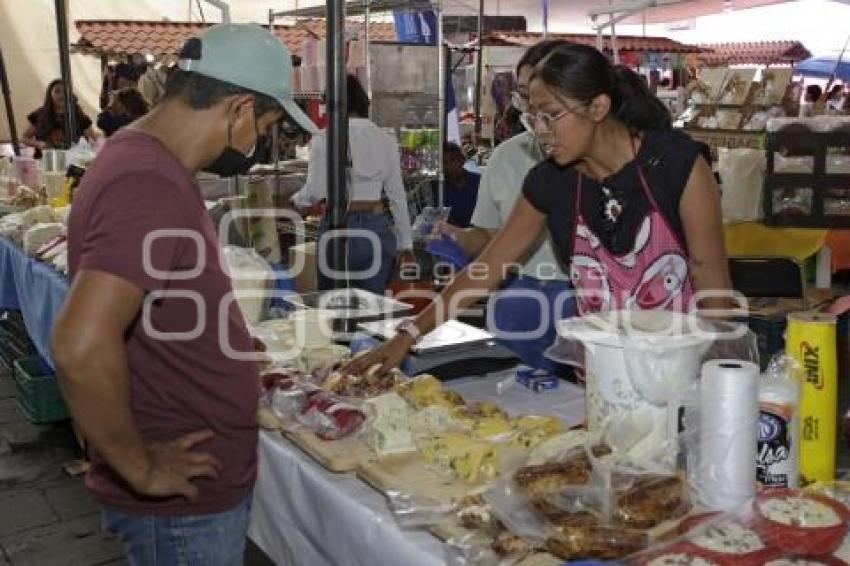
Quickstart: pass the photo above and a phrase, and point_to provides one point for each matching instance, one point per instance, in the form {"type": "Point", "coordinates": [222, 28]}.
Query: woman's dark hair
{"type": "Point", "coordinates": [582, 73]}
{"type": "Point", "coordinates": [451, 147]}
{"type": "Point", "coordinates": [358, 100]}
{"type": "Point", "coordinates": [48, 118]}
{"type": "Point", "coordinates": [813, 93]}
{"type": "Point", "coordinates": [537, 52]}
{"type": "Point", "coordinates": [133, 102]}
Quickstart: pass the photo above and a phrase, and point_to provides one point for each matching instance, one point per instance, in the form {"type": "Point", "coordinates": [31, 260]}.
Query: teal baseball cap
{"type": "Point", "coordinates": [248, 56]}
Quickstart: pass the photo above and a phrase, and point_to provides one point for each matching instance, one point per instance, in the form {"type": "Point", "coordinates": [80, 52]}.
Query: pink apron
{"type": "Point", "coordinates": [653, 275]}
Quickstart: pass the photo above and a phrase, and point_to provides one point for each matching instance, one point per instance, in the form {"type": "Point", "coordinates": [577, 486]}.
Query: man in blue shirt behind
{"type": "Point", "coordinates": [461, 186]}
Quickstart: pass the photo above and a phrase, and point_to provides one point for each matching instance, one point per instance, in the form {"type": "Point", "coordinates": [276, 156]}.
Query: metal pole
{"type": "Point", "coordinates": [545, 19]}
{"type": "Point", "coordinates": [275, 134]}
{"type": "Point", "coordinates": [65, 68]}
{"type": "Point", "coordinates": [441, 100]}
{"type": "Point", "coordinates": [337, 132]}
{"type": "Point", "coordinates": [479, 68]}
{"type": "Point", "coordinates": [614, 45]}
{"type": "Point", "coordinates": [367, 15]}
{"type": "Point", "coordinates": [7, 98]}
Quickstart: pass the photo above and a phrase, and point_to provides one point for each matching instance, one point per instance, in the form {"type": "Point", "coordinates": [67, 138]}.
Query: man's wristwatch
{"type": "Point", "coordinates": [409, 328]}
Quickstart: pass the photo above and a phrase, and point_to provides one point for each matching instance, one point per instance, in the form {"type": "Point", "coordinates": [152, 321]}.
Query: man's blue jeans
{"type": "Point", "coordinates": [528, 309]}
{"type": "Point", "coordinates": [363, 253]}
{"type": "Point", "coordinates": [201, 540]}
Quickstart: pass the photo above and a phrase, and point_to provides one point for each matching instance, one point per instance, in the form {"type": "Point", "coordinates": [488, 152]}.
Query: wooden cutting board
{"type": "Point", "coordinates": [410, 473]}
{"type": "Point", "coordinates": [338, 456]}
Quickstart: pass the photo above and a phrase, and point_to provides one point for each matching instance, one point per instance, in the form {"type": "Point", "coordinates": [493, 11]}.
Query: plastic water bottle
{"type": "Point", "coordinates": [411, 140]}
{"type": "Point", "coordinates": [430, 149]}
{"type": "Point", "coordinates": [778, 430]}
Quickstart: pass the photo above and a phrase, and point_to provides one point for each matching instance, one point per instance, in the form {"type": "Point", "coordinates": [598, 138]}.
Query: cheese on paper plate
{"type": "Point", "coordinates": [799, 512]}
{"type": "Point", "coordinates": [729, 537]}
{"type": "Point", "coordinates": [388, 424]}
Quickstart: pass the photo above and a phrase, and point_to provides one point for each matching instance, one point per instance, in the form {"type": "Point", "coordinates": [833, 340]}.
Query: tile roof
{"type": "Point", "coordinates": [624, 42]}
{"type": "Point", "coordinates": [378, 31]}
{"type": "Point", "coordinates": [756, 53]}
{"type": "Point", "coordinates": [119, 37]}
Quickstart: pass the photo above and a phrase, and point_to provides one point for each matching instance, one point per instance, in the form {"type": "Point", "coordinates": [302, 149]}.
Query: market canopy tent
{"type": "Point", "coordinates": [824, 67]}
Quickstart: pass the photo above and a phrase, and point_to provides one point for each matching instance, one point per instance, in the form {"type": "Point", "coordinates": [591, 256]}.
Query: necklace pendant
{"type": "Point", "coordinates": [613, 210]}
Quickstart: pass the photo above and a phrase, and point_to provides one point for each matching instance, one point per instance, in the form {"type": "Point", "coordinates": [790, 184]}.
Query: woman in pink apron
{"type": "Point", "coordinates": [631, 205]}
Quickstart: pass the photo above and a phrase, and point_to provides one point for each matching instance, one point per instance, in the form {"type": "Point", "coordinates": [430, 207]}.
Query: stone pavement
{"type": "Point", "coordinates": [46, 517]}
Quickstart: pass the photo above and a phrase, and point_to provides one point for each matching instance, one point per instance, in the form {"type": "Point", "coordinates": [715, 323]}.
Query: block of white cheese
{"type": "Point", "coordinates": [388, 424]}
{"type": "Point", "coordinates": [39, 235]}
{"type": "Point", "coordinates": [433, 419]}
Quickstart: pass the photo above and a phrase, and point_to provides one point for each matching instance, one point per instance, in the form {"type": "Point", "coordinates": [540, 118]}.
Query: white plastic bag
{"type": "Point", "coordinates": [742, 175]}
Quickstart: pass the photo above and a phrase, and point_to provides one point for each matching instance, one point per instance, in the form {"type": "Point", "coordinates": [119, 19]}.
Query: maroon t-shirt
{"type": "Point", "coordinates": [182, 379]}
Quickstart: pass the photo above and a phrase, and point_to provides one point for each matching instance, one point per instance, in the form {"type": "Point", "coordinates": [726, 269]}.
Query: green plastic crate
{"type": "Point", "coordinates": [38, 391]}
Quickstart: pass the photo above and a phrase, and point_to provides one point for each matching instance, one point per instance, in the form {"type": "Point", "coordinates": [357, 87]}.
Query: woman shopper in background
{"type": "Point", "coordinates": [125, 106]}
{"type": "Point", "coordinates": [632, 206]}
{"type": "Point", "coordinates": [46, 128]}
{"type": "Point", "coordinates": [374, 169]}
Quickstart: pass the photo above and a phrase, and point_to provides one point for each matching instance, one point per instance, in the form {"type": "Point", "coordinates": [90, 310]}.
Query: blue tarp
{"type": "Point", "coordinates": [824, 67]}
{"type": "Point", "coordinates": [34, 288]}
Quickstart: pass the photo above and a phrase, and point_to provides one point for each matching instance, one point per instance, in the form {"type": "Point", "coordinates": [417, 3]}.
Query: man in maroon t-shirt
{"type": "Point", "coordinates": [144, 344]}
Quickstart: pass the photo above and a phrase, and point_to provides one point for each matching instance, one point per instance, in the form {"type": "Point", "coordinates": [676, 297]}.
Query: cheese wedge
{"type": "Point", "coordinates": [532, 430]}
{"type": "Point", "coordinates": [458, 455]}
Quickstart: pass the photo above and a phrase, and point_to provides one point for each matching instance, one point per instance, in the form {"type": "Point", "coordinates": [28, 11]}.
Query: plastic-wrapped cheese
{"type": "Point", "coordinates": [388, 424]}
{"type": "Point", "coordinates": [433, 419]}
{"type": "Point", "coordinates": [37, 215]}
{"type": "Point", "coordinates": [39, 235]}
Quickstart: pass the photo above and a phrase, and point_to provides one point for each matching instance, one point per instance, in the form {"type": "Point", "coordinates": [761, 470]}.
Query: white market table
{"type": "Point", "coordinates": [303, 515]}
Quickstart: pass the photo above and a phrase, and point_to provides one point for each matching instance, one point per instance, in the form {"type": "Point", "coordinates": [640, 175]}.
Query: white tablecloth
{"type": "Point", "coordinates": [306, 516]}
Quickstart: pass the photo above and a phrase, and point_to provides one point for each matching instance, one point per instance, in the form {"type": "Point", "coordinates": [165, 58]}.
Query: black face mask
{"type": "Point", "coordinates": [232, 162]}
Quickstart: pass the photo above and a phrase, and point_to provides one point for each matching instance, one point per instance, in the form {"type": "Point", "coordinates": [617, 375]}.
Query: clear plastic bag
{"type": "Point", "coordinates": [641, 365]}
{"type": "Point", "coordinates": [412, 511]}
{"type": "Point", "coordinates": [423, 225]}
{"type": "Point", "coordinates": [329, 416]}
{"type": "Point", "coordinates": [477, 549]}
